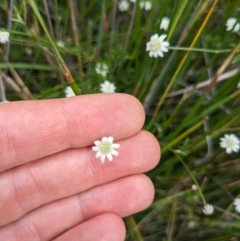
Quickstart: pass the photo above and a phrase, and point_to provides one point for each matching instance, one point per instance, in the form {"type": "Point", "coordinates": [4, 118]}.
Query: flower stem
{"type": "Point", "coordinates": [66, 72]}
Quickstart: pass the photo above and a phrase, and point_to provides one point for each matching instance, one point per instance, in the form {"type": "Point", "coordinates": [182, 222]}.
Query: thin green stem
{"type": "Point", "coordinates": [183, 61]}
{"type": "Point", "coordinates": [214, 51]}
{"type": "Point", "coordinates": [191, 174]}
{"type": "Point", "coordinates": [134, 229]}
{"type": "Point", "coordinates": [67, 74]}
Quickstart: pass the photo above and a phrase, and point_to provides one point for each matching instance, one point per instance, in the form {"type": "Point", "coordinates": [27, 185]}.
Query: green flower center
{"type": "Point", "coordinates": [105, 147]}
{"type": "Point", "coordinates": [230, 143]}
{"type": "Point", "coordinates": [155, 44]}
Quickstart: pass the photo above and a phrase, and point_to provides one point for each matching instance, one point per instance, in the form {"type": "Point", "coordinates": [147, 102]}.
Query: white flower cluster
{"type": "Point", "coordinates": [164, 23]}
{"type": "Point", "coordinates": [4, 37]}
{"type": "Point", "coordinates": [236, 203]}
{"type": "Point", "coordinates": [230, 142]}
{"type": "Point", "coordinates": [106, 86]}
{"type": "Point", "coordinates": [123, 5]}
{"type": "Point", "coordinates": [208, 209]}
{"type": "Point", "coordinates": [69, 92]}
{"type": "Point", "coordinates": [147, 5]}
{"type": "Point", "coordinates": [233, 25]}
{"type": "Point", "coordinates": [102, 69]}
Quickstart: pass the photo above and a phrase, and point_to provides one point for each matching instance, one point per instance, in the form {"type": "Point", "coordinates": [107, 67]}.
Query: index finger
{"type": "Point", "coordinates": [33, 129]}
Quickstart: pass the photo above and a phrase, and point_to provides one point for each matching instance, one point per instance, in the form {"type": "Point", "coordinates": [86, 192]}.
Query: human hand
{"type": "Point", "coordinates": [53, 187]}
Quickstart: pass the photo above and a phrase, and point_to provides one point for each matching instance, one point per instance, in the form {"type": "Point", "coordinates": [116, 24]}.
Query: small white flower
{"type": "Point", "coordinates": [232, 25]}
{"type": "Point", "coordinates": [105, 149]}
{"type": "Point", "coordinates": [164, 23]}
{"type": "Point", "coordinates": [156, 46]}
{"type": "Point", "coordinates": [231, 142]}
{"type": "Point", "coordinates": [146, 4]}
{"type": "Point", "coordinates": [4, 37]}
{"type": "Point", "coordinates": [60, 43]}
{"type": "Point", "coordinates": [208, 209]}
{"type": "Point", "coordinates": [133, 1]}
{"type": "Point", "coordinates": [69, 92]}
{"type": "Point", "coordinates": [28, 51]}
{"type": "Point", "coordinates": [123, 5]}
{"type": "Point", "coordinates": [194, 187]}
{"type": "Point", "coordinates": [107, 87]}
{"type": "Point", "coordinates": [102, 69]}
{"type": "Point", "coordinates": [192, 224]}
{"type": "Point", "coordinates": [236, 203]}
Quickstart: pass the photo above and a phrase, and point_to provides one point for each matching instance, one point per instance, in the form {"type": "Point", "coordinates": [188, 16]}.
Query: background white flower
{"type": "Point", "coordinates": [236, 203]}
{"type": "Point", "coordinates": [102, 69]}
{"type": "Point", "coordinates": [105, 149]}
{"type": "Point", "coordinates": [208, 209]}
{"type": "Point", "coordinates": [133, 1]}
{"type": "Point", "coordinates": [230, 142]}
{"type": "Point", "coordinates": [238, 85]}
{"type": "Point", "coordinates": [60, 43]}
{"type": "Point", "coordinates": [156, 46]}
{"type": "Point", "coordinates": [4, 37]}
{"type": "Point", "coordinates": [194, 187]}
{"type": "Point", "coordinates": [69, 92]}
{"type": "Point", "coordinates": [146, 4]}
{"type": "Point", "coordinates": [232, 25]}
{"type": "Point", "coordinates": [123, 5]}
{"type": "Point", "coordinates": [164, 23]}
{"type": "Point", "coordinates": [107, 87]}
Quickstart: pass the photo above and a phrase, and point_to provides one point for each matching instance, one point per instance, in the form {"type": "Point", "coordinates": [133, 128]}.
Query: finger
{"type": "Point", "coordinates": [34, 129]}
{"type": "Point", "coordinates": [105, 227]}
{"type": "Point", "coordinates": [70, 172]}
{"type": "Point", "coordinates": [123, 196]}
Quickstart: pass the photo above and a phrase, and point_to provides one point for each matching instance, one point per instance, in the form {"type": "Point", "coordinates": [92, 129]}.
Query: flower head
{"type": "Point", "coordinates": [102, 69]}
{"type": "Point", "coordinates": [194, 187]}
{"type": "Point", "coordinates": [164, 23]}
{"type": "Point", "coordinates": [123, 5]}
{"type": "Point", "coordinates": [69, 92]}
{"type": "Point", "coordinates": [232, 25]}
{"type": "Point", "coordinates": [208, 209]}
{"type": "Point", "coordinates": [107, 87]}
{"type": "Point", "coordinates": [156, 46]}
{"type": "Point", "coordinates": [4, 37]}
{"type": "Point", "coordinates": [236, 203]}
{"type": "Point", "coordinates": [145, 4]}
{"type": "Point", "coordinates": [105, 148]}
{"type": "Point", "coordinates": [60, 43]}
{"type": "Point", "coordinates": [231, 142]}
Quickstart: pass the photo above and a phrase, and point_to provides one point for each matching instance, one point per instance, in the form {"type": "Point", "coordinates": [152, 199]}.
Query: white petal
{"type": "Point", "coordinates": [98, 154]}
{"type": "Point", "coordinates": [115, 145]}
{"type": "Point", "coordinates": [97, 142]}
{"type": "Point", "coordinates": [165, 44]}
{"type": "Point", "coordinates": [160, 53]}
{"type": "Point", "coordinates": [162, 37]}
{"type": "Point", "coordinates": [102, 158]}
{"type": "Point", "coordinates": [110, 138]}
{"type": "Point", "coordinates": [95, 148]}
{"type": "Point", "coordinates": [229, 150]}
{"type": "Point", "coordinates": [109, 157]}
{"type": "Point", "coordinates": [155, 36]}
{"type": "Point", "coordinates": [115, 153]}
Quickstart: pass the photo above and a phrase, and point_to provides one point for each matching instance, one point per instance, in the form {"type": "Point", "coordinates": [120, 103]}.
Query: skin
{"type": "Point", "coordinates": [53, 187]}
